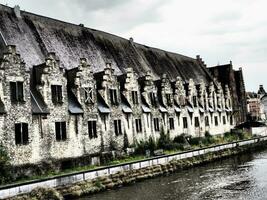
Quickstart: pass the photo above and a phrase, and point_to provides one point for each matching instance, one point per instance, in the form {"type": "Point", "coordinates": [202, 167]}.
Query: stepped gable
{"type": "Point", "coordinates": [36, 35]}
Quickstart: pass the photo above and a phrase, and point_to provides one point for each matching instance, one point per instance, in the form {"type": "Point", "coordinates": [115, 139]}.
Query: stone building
{"type": "Point", "coordinates": [255, 107]}
{"type": "Point", "coordinates": [67, 91]}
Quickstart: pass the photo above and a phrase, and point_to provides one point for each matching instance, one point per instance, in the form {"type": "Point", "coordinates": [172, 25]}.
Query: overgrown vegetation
{"type": "Point", "coordinates": [182, 142]}
{"type": "Point", "coordinates": [165, 142]}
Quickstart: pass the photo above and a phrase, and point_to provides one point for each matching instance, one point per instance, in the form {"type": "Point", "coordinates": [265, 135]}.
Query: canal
{"type": "Point", "coordinates": [239, 177]}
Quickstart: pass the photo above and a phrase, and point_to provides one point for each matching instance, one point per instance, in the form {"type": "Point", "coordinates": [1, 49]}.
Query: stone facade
{"type": "Point", "coordinates": [74, 113]}
{"type": "Point", "coordinates": [67, 91]}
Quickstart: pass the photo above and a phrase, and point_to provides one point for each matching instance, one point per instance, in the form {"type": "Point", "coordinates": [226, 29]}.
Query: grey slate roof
{"type": "Point", "coordinates": [74, 105]}
{"type": "Point", "coordinates": [37, 102]}
{"type": "Point", "coordinates": [35, 36]}
{"type": "Point", "coordinates": [2, 107]}
{"type": "Point", "coordinates": [102, 105]}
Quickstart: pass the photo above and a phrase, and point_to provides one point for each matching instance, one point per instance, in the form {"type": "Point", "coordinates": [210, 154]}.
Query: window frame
{"type": "Point", "coordinates": [216, 122]}
{"type": "Point", "coordinates": [61, 126]}
{"type": "Point", "coordinates": [117, 127]}
{"type": "Point", "coordinates": [92, 129]}
{"type": "Point", "coordinates": [197, 124]}
{"type": "Point", "coordinates": [113, 94]}
{"type": "Point", "coordinates": [135, 97]}
{"type": "Point", "coordinates": [57, 94]}
{"type": "Point", "coordinates": [138, 125]}
{"type": "Point", "coordinates": [156, 124]}
{"type": "Point", "coordinates": [185, 122]}
{"type": "Point", "coordinates": [16, 91]}
{"type": "Point", "coordinates": [21, 133]}
{"type": "Point", "coordinates": [171, 123]}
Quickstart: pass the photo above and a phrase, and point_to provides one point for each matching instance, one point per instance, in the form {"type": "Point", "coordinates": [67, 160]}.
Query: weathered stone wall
{"type": "Point", "coordinates": [175, 100]}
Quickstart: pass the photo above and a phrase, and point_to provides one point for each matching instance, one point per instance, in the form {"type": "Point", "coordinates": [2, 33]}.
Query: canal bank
{"type": "Point", "coordinates": [89, 182]}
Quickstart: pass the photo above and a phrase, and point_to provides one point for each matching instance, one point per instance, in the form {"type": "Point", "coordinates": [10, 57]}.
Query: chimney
{"type": "Point", "coordinates": [17, 11]}
{"type": "Point", "coordinates": [11, 49]}
{"type": "Point", "coordinates": [131, 40]}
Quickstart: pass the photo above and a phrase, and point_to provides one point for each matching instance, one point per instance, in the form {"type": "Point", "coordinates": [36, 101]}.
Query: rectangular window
{"type": "Point", "coordinates": [113, 96]}
{"type": "Point", "coordinates": [196, 122]}
{"type": "Point", "coordinates": [21, 133]}
{"type": "Point", "coordinates": [135, 97]}
{"type": "Point", "coordinates": [231, 120]}
{"type": "Point", "coordinates": [168, 97]}
{"type": "Point", "coordinates": [216, 120]}
{"type": "Point", "coordinates": [88, 95]}
{"type": "Point", "coordinates": [195, 101]}
{"type": "Point", "coordinates": [156, 124]}
{"type": "Point", "coordinates": [224, 120]}
{"type": "Point", "coordinates": [171, 121]}
{"type": "Point", "coordinates": [153, 99]}
{"type": "Point", "coordinates": [207, 123]}
{"type": "Point", "coordinates": [61, 134]}
{"type": "Point", "coordinates": [76, 124]}
{"type": "Point", "coordinates": [185, 122]}
{"type": "Point", "coordinates": [56, 94]}
{"type": "Point", "coordinates": [92, 129]}
{"type": "Point", "coordinates": [16, 92]}
{"type": "Point", "coordinates": [117, 127]}
{"type": "Point", "coordinates": [138, 125]}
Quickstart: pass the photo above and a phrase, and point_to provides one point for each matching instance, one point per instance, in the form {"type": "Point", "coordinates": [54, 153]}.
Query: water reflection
{"type": "Point", "coordinates": [240, 177]}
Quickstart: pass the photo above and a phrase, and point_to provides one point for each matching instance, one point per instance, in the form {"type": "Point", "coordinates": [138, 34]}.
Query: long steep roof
{"type": "Point", "coordinates": [36, 35]}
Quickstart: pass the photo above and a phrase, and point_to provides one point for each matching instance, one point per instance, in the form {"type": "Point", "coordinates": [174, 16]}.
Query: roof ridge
{"type": "Point", "coordinates": [96, 30]}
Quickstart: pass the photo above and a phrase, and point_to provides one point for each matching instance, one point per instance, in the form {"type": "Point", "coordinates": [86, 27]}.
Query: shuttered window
{"type": "Point", "coordinates": [92, 129]}
{"type": "Point", "coordinates": [171, 122]}
{"type": "Point", "coordinates": [113, 96]}
{"type": "Point", "coordinates": [16, 92]}
{"type": "Point", "coordinates": [56, 94]}
{"type": "Point", "coordinates": [61, 134]}
{"type": "Point", "coordinates": [224, 120]}
{"type": "Point", "coordinates": [21, 134]}
{"type": "Point", "coordinates": [138, 125]}
{"type": "Point", "coordinates": [185, 122]}
{"type": "Point", "coordinates": [216, 120]}
{"type": "Point", "coordinates": [168, 98]}
{"type": "Point", "coordinates": [196, 122]}
{"type": "Point", "coordinates": [153, 99]}
{"type": "Point", "coordinates": [156, 124]}
{"type": "Point", "coordinates": [117, 127]}
{"type": "Point", "coordinates": [134, 97]}
{"type": "Point", "coordinates": [195, 101]}
{"type": "Point", "coordinates": [207, 123]}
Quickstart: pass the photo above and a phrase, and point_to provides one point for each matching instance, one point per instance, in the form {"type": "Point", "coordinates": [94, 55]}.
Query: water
{"type": "Point", "coordinates": [240, 177]}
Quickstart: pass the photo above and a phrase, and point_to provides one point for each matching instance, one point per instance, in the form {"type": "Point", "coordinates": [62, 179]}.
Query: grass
{"type": "Point", "coordinates": [196, 143]}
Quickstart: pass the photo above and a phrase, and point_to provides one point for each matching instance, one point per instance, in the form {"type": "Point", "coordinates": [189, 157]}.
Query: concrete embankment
{"type": "Point", "coordinates": [85, 183]}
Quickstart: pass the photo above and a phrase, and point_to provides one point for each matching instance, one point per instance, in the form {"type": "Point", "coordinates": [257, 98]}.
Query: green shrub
{"type": "Point", "coordinates": [164, 141]}
{"type": "Point", "coordinates": [142, 146]}
{"type": "Point", "coordinates": [195, 141]}
{"type": "Point", "coordinates": [180, 139]}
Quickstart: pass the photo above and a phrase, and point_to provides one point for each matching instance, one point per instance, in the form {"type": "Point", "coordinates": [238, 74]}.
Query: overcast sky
{"type": "Point", "coordinates": [219, 31]}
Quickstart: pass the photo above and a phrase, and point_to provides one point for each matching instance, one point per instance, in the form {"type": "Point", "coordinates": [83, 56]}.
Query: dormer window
{"type": "Point", "coordinates": [135, 97]}
{"type": "Point", "coordinates": [56, 94]}
{"type": "Point", "coordinates": [88, 95]}
{"type": "Point", "coordinates": [16, 91]}
{"type": "Point", "coordinates": [153, 99]}
{"type": "Point", "coordinates": [195, 101]}
{"type": "Point", "coordinates": [113, 96]}
{"type": "Point", "coordinates": [168, 98]}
